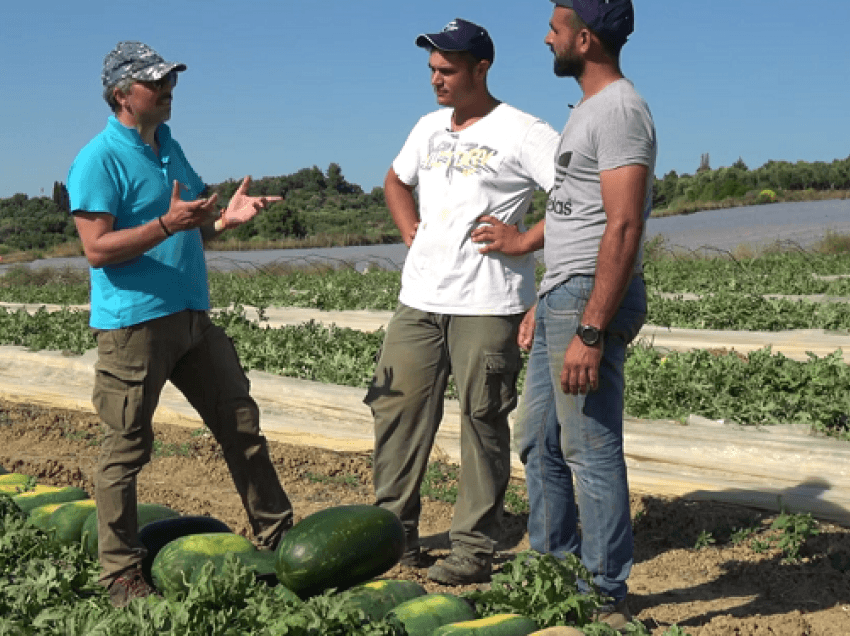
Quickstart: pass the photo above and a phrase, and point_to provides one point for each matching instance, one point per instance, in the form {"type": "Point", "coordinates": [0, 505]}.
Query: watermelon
{"type": "Point", "coordinates": [42, 495]}
{"type": "Point", "coordinates": [40, 516]}
{"type": "Point", "coordinates": [67, 521]}
{"type": "Point", "coordinates": [423, 615]}
{"type": "Point", "coordinates": [156, 534]}
{"type": "Point", "coordinates": [261, 562]}
{"type": "Point", "coordinates": [147, 512]}
{"type": "Point", "coordinates": [13, 479]}
{"type": "Point", "coordinates": [497, 625]}
{"type": "Point", "coordinates": [339, 547]}
{"type": "Point", "coordinates": [173, 567]}
{"type": "Point", "coordinates": [376, 598]}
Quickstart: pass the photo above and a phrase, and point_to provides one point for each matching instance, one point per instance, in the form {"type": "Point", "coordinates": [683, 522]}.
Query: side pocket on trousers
{"type": "Point", "coordinates": [498, 394]}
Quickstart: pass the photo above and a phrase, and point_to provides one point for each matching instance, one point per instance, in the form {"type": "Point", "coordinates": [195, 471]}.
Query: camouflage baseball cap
{"type": "Point", "coordinates": [136, 61]}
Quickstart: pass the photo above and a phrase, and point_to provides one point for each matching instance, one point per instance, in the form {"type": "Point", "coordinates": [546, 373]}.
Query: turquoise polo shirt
{"type": "Point", "coordinates": [118, 174]}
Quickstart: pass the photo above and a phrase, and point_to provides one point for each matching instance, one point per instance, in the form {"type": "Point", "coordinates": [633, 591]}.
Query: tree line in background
{"type": "Point", "coordinates": [320, 203]}
{"type": "Point", "coordinates": [738, 182]}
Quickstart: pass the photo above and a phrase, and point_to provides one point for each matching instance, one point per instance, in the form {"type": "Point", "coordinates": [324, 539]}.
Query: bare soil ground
{"type": "Point", "coordinates": [727, 587]}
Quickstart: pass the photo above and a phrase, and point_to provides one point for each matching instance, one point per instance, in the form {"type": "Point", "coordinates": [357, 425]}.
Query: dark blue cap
{"type": "Point", "coordinates": [460, 35]}
{"type": "Point", "coordinates": [612, 20]}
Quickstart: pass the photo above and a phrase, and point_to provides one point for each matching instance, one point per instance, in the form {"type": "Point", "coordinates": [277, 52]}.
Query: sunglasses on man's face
{"type": "Point", "coordinates": [167, 80]}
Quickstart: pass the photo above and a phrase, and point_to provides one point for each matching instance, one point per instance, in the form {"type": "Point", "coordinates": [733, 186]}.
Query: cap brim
{"type": "Point", "coordinates": [441, 41]}
{"type": "Point", "coordinates": [157, 71]}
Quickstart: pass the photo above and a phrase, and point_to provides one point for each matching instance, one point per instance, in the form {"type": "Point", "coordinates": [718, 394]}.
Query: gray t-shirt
{"type": "Point", "coordinates": [611, 129]}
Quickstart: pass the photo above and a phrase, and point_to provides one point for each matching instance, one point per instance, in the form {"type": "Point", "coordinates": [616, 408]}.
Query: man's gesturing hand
{"type": "Point", "coordinates": [185, 215]}
{"type": "Point", "coordinates": [242, 207]}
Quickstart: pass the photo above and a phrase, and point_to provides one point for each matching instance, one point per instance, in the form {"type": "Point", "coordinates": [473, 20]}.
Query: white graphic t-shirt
{"type": "Point", "coordinates": [493, 168]}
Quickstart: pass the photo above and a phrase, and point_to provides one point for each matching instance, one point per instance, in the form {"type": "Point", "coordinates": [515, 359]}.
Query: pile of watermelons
{"type": "Point", "coordinates": [343, 547]}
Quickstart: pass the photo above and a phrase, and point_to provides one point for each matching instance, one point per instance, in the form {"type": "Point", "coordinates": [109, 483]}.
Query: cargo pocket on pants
{"type": "Point", "coordinates": [498, 394]}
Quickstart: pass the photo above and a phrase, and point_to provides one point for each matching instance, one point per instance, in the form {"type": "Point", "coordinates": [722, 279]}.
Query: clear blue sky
{"type": "Point", "coordinates": [274, 86]}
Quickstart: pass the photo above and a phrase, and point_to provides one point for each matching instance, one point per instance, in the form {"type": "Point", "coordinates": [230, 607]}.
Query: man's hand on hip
{"type": "Point", "coordinates": [498, 236]}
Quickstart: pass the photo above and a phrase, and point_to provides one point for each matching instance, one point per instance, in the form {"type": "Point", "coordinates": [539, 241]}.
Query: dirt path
{"type": "Point", "coordinates": [728, 587]}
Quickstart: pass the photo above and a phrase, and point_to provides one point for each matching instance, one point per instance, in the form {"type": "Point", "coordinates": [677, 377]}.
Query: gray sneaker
{"type": "Point", "coordinates": [457, 569]}
{"type": "Point", "coordinates": [128, 586]}
{"type": "Point", "coordinates": [615, 615]}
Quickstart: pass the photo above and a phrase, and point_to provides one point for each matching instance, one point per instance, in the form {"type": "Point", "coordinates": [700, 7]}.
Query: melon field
{"type": "Point", "coordinates": [702, 568]}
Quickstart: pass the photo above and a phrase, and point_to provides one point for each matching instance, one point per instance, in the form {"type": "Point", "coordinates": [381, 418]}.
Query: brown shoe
{"type": "Point", "coordinates": [413, 556]}
{"type": "Point", "coordinates": [128, 586]}
{"type": "Point", "coordinates": [615, 615]}
{"type": "Point", "coordinates": [457, 569]}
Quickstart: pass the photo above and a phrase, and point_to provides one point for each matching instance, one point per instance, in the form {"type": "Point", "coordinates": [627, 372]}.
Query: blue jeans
{"type": "Point", "coordinates": [560, 437]}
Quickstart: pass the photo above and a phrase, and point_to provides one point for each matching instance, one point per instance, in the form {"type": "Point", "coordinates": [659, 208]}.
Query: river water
{"type": "Point", "coordinates": [801, 224]}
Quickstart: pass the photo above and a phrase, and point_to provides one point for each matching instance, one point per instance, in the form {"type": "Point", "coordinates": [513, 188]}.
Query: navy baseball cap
{"type": "Point", "coordinates": [612, 20]}
{"type": "Point", "coordinates": [460, 35]}
{"type": "Point", "coordinates": [135, 60]}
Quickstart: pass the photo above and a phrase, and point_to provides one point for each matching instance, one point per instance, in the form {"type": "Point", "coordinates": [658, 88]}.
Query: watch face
{"type": "Point", "coordinates": [589, 335]}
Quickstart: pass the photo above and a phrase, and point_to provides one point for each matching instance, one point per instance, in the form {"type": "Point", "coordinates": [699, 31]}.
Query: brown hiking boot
{"type": "Point", "coordinates": [457, 569]}
{"type": "Point", "coordinates": [615, 615]}
{"type": "Point", "coordinates": [413, 555]}
{"type": "Point", "coordinates": [128, 586]}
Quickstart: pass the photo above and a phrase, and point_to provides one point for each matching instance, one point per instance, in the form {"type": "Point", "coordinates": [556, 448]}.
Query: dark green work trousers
{"type": "Point", "coordinates": [419, 353]}
{"type": "Point", "coordinates": [198, 357]}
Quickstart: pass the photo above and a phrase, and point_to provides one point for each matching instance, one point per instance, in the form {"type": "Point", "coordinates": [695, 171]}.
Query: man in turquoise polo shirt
{"type": "Point", "coordinates": [140, 212]}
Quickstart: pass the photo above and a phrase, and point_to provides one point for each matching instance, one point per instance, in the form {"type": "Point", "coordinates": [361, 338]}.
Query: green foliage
{"type": "Point", "coordinates": [55, 286]}
{"type": "Point", "coordinates": [516, 500]}
{"type": "Point", "coordinates": [38, 572]}
{"type": "Point", "coordinates": [334, 355]}
{"type": "Point", "coordinates": [782, 272]}
{"type": "Point", "coordinates": [733, 311]}
{"type": "Point", "coordinates": [541, 587]}
{"type": "Point", "coordinates": [704, 540]}
{"type": "Point", "coordinates": [314, 203]}
{"type": "Point", "coordinates": [440, 482]}
{"type": "Point", "coordinates": [796, 530]}
{"type": "Point", "coordinates": [64, 330]}
{"type": "Point", "coordinates": [346, 480]}
{"type": "Point", "coordinates": [339, 289]}
{"type": "Point", "coordinates": [37, 223]}
{"type": "Point", "coordinates": [766, 196]}
{"type": "Point", "coordinates": [738, 182]}
{"type": "Point", "coordinates": [740, 535]}
{"type": "Point", "coordinates": [760, 388]}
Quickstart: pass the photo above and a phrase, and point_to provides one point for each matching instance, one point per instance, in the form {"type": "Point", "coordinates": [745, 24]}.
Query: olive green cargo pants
{"type": "Point", "coordinates": [132, 368]}
{"type": "Point", "coordinates": [419, 353]}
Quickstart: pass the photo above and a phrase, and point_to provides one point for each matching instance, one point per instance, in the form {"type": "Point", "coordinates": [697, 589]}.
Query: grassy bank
{"type": "Point", "coordinates": [683, 206]}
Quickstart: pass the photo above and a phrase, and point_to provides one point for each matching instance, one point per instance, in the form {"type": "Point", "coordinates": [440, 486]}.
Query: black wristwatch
{"type": "Point", "coordinates": [590, 335]}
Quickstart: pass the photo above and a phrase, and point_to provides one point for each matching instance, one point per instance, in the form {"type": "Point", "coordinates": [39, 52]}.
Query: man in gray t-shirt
{"type": "Point", "coordinates": [592, 303]}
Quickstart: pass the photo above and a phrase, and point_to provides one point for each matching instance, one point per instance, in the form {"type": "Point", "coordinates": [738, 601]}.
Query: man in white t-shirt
{"type": "Point", "coordinates": [468, 279]}
{"type": "Point", "coordinates": [569, 425]}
